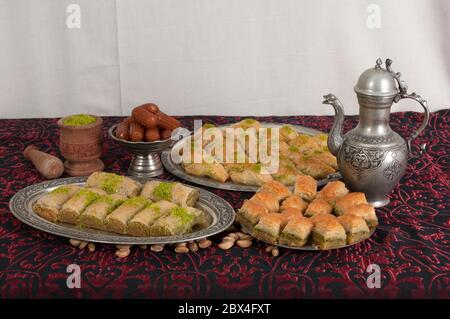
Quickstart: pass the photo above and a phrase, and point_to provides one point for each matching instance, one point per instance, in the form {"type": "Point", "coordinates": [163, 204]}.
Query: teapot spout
{"type": "Point", "coordinates": [335, 137]}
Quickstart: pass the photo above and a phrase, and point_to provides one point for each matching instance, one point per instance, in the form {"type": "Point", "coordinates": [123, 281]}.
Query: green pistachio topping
{"type": "Point", "coordinates": [322, 137]}
{"type": "Point", "coordinates": [287, 129]}
{"type": "Point", "coordinates": [108, 199]}
{"type": "Point", "coordinates": [257, 168]}
{"type": "Point", "coordinates": [163, 191]}
{"type": "Point", "coordinates": [88, 195]}
{"type": "Point", "coordinates": [154, 206]}
{"type": "Point", "coordinates": [111, 183]}
{"type": "Point", "coordinates": [60, 190]}
{"type": "Point", "coordinates": [182, 214]}
{"type": "Point", "coordinates": [136, 201]}
{"type": "Point", "coordinates": [79, 120]}
{"type": "Point", "coordinates": [208, 125]}
{"type": "Point", "coordinates": [293, 148]}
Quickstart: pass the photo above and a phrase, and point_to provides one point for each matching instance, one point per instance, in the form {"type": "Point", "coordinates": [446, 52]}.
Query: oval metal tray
{"type": "Point", "coordinates": [219, 212]}
{"type": "Point", "coordinates": [178, 171]}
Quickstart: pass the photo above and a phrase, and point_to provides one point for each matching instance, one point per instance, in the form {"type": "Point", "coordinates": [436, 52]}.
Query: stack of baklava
{"type": "Point", "coordinates": [299, 154]}
{"type": "Point", "coordinates": [121, 205]}
{"type": "Point", "coordinates": [330, 218]}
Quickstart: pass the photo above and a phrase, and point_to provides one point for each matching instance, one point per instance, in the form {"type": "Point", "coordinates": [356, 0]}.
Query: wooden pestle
{"type": "Point", "coordinates": [48, 165]}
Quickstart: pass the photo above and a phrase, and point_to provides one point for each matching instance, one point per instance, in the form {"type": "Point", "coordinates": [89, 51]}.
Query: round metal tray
{"type": "Point", "coordinates": [220, 214]}
{"type": "Point", "coordinates": [178, 171]}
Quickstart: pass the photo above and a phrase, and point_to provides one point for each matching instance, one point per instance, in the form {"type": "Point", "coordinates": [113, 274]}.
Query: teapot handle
{"type": "Point", "coordinates": [423, 103]}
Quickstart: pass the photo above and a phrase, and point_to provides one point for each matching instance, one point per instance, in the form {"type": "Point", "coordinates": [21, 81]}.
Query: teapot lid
{"type": "Point", "coordinates": [377, 81]}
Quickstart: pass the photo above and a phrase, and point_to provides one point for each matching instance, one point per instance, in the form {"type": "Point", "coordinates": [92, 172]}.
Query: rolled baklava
{"type": "Point", "coordinates": [349, 200]}
{"type": "Point", "coordinates": [268, 199]}
{"type": "Point", "coordinates": [248, 174]}
{"type": "Point", "coordinates": [114, 184]}
{"type": "Point", "coordinates": [296, 232]}
{"type": "Point", "coordinates": [332, 191]}
{"type": "Point", "coordinates": [355, 227]}
{"type": "Point", "coordinates": [287, 172]}
{"type": "Point", "coordinates": [365, 211]}
{"type": "Point", "coordinates": [94, 215]}
{"type": "Point", "coordinates": [278, 189]}
{"type": "Point", "coordinates": [140, 224]}
{"type": "Point", "coordinates": [72, 209]}
{"type": "Point", "coordinates": [48, 206]}
{"type": "Point", "coordinates": [312, 167]}
{"type": "Point", "coordinates": [213, 170]}
{"type": "Point", "coordinates": [269, 227]}
{"type": "Point", "coordinates": [318, 206]}
{"type": "Point", "coordinates": [118, 219]}
{"type": "Point", "coordinates": [173, 192]}
{"type": "Point", "coordinates": [178, 221]}
{"type": "Point", "coordinates": [305, 187]}
{"type": "Point", "coordinates": [288, 133]}
{"type": "Point", "coordinates": [294, 201]}
{"type": "Point", "coordinates": [250, 213]}
{"type": "Point", "coordinates": [327, 232]}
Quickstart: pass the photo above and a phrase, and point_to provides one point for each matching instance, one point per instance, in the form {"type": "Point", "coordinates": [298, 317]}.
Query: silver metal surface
{"type": "Point", "coordinates": [178, 171]}
{"type": "Point", "coordinates": [372, 158]}
{"type": "Point", "coordinates": [220, 214]}
{"type": "Point", "coordinates": [306, 247]}
{"type": "Point", "coordinates": [145, 162]}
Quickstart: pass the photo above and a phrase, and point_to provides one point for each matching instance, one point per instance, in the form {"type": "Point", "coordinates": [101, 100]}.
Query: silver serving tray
{"type": "Point", "coordinates": [219, 212]}
{"type": "Point", "coordinates": [306, 247]}
{"type": "Point", "coordinates": [178, 171]}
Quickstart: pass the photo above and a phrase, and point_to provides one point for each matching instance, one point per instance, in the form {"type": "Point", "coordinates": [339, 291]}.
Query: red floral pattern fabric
{"type": "Point", "coordinates": [411, 245]}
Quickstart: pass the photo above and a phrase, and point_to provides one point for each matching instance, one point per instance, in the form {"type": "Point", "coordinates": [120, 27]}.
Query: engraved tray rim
{"type": "Point", "coordinates": [178, 171]}
{"type": "Point", "coordinates": [221, 214]}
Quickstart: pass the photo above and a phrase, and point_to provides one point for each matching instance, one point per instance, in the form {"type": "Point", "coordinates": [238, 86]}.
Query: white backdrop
{"type": "Point", "coordinates": [230, 57]}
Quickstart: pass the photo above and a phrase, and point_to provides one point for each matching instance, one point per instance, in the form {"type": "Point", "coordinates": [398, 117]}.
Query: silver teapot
{"type": "Point", "coordinates": [372, 157]}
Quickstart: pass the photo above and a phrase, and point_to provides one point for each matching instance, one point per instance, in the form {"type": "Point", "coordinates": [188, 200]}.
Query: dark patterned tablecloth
{"type": "Point", "coordinates": [411, 246]}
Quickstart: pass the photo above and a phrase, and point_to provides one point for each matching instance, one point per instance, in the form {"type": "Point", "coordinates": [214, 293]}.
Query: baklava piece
{"type": "Point", "coordinates": [267, 199]}
{"type": "Point", "coordinates": [312, 167]}
{"type": "Point", "coordinates": [317, 207]}
{"type": "Point", "coordinates": [349, 200]}
{"type": "Point", "coordinates": [178, 221]}
{"type": "Point", "coordinates": [118, 219]}
{"type": "Point", "coordinates": [278, 189]}
{"type": "Point", "coordinates": [287, 172]}
{"type": "Point", "coordinates": [212, 169]}
{"type": "Point", "coordinates": [327, 232]}
{"type": "Point", "coordinates": [365, 211]}
{"type": "Point", "coordinates": [355, 227]}
{"type": "Point", "coordinates": [48, 206]}
{"type": "Point", "coordinates": [332, 191]}
{"type": "Point", "coordinates": [305, 187]}
{"type": "Point", "coordinates": [114, 184]}
{"type": "Point", "coordinates": [288, 133]}
{"type": "Point", "coordinates": [248, 123]}
{"type": "Point", "coordinates": [294, 201]}
{"type": "Point", "coordinates": [140, 224]}
{"type": "Point", "coordinates": [296, 232]}
{"type": "Point", "coordinates": [94, 215]}
{"type": "Point", "coordinates": [250, 213]}
{"type": "Point", "coordinates": [269, 227]}
{"type": "Point", "coordinates": [173, 192]}
{"type": "Point", "coordinates": [71, 210]}
{"type": "Point", "coordinates": [248, 174]}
